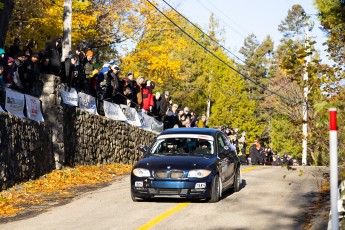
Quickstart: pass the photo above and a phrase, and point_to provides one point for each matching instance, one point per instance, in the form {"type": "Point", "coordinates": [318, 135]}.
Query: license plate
{"type": "Point", "coordinates": [200, 185]}
{"type": "Point", "coordinates": [138, 184]}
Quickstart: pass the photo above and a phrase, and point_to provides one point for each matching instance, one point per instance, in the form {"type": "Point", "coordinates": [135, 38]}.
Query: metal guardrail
{"type": "Point", "coordinates": [341, 208]}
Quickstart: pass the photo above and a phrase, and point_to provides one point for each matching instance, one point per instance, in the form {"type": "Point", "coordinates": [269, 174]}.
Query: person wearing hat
{"type": "Point", "coordinates": [31, 73]}
{"type": "Point", "coordinates": [117, 87]}
{"type": "Point", "coordinates": [148, 101]}
{"type": "Point", "coordinates": [88, 69]}
{"type": "Point", "coordinates": [11, 75]}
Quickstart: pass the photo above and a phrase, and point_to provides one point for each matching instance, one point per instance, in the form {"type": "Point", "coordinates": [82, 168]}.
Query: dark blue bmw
{"type": "Point", "coordinates": [187, 162]}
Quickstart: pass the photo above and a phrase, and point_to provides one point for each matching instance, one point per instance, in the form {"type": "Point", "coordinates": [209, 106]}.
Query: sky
{"type": "Point", "coordinates": [239, 18]}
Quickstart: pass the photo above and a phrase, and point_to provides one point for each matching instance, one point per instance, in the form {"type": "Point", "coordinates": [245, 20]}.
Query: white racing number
{"type": "Point", "coordinates": [200, 185]}
{"type": "Point", "coordinates": [138, 184]}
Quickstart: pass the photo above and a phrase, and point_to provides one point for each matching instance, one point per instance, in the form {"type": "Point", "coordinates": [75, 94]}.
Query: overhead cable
{"type": "Point", "coordinates": [215, 56]}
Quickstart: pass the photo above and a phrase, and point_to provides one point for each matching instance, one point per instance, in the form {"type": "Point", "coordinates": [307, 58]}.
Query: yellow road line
{"type": "Point", "coordinates": [162, 216]}
{"type": "Point", "coordinates": [177, 208]}
{"type": "Point", "coordinates": [249, 169]}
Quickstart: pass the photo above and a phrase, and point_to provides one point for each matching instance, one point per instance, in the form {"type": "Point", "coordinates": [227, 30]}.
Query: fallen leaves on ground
{"type": "Point", "coordinates": [58, 182]}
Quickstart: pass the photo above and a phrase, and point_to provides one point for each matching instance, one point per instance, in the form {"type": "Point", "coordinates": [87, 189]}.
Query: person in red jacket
{"type": "Point", "coordinates": [148, 101]}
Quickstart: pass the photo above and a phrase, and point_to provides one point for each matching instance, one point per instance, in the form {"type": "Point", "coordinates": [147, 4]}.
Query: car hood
{"type": "Point", "coordinates": [176, 162]}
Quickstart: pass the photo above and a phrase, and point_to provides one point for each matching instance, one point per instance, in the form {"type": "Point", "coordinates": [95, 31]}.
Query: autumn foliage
{"type": "Point", "coordinates": [58, 183]}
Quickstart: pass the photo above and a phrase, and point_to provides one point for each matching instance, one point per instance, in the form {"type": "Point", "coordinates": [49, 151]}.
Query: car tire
{"type": "Point", "coordinates": [215, 190]}
{"type": "Point", "coordinates": [134, 198]}
{"type": "Point", "coordinates": [237, 180]}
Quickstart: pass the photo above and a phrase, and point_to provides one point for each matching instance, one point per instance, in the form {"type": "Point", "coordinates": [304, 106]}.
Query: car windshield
{"type": "Point", "coordinates": [184, 146]}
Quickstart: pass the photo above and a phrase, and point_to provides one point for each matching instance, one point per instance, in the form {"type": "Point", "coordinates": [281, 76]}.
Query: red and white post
{"type": "Point", "coordinates": [333, 152]}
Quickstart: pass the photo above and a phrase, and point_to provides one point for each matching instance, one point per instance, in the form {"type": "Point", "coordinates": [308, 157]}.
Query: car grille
{"type": "Point", "coordinates": [156, 191]}
{"type": "Point", "coordinates": [173, 174]}
{"type": "Point", "coordinates": [176, 174]}
{"type": "Point", "coordinates": [160, 174]}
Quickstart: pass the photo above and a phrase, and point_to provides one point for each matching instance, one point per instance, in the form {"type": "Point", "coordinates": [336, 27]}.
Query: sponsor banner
{"type": "Point", "coordinates": [33, 108]}
{"type": "Point", "coordinates": [113, 111]}
{"type": "Point", "coordinates": [131, 115]}
{"type": "Point", "coordinates": [157, 126]}
{"type": "Point", "coordinates": [14, 103]}
{"type": "Point", "coordinates": [145, 120]}
{"type": "Point", "coordinates": [87, 103]}
{"type": "Point", "coordinates": [69, 96]}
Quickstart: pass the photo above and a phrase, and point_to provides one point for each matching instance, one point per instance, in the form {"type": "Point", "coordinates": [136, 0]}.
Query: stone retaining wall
{"type": "Point", "coordinates": [25, 150]}
{"type": "Point", "coordinates": [68, 137]}
{"type": "Point", "coordinates": [90, 139]}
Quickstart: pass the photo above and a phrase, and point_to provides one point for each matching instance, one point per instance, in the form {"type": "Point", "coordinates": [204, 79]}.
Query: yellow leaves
{"type": "Point", "coordinates": [58, 183]}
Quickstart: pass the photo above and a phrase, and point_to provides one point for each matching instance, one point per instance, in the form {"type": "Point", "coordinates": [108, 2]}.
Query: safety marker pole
{"type": "Point", "coordinates": [333, 152]}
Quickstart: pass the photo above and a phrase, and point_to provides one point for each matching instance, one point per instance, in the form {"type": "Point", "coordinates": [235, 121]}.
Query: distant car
{"type": "Point", "coordinates": [187, 162]}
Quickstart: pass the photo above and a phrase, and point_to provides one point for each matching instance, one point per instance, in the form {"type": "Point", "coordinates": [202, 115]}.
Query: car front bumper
{"type": "Point", "coordinates": [146, 187]}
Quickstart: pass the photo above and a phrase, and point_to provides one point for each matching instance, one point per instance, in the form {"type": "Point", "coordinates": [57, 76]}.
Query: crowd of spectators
{"type": "Point", "coordinates": [20, 69]}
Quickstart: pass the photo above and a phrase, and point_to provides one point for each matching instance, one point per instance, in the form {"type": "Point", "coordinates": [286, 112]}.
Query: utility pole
{"type": "Point", "coordinates": [305, 102]}
{"type": "Point", "coordinates": [67, 29]}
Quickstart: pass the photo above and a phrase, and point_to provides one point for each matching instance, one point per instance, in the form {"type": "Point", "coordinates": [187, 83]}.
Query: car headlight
{"type": "Point", "coordinates": [199, 173]}
{"type": "Point", "coordinates": [140, 172]}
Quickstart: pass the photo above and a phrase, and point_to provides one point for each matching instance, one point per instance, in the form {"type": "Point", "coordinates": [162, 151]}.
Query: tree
{"type": "Point", "coordinates": [6, 10]}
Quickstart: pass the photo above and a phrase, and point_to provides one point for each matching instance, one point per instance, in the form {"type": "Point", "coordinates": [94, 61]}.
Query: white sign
{"type": "Point", "coordinates": [113, 111]}
{"type": "Point", "coordinates": [131, 115]}
{"type": "Point", "coordinates": [87, 103]}
{"type": "Point", "coordinates": [14, 103]}
{"type": "Point", "coordinates": [146, 120]}
{"type": "Point", "coordinates": [33, 108]}
{"type": "Point", "coordinates": [69, 96]}
{"type": "Point", "coordinates": [157, 126]}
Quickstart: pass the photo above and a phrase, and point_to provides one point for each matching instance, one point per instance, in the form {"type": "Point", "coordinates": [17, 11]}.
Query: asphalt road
{"type": "Point", "coordinates": [270, 198]}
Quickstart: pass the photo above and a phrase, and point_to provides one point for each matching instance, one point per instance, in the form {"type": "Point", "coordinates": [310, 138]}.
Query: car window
{"type": "Point", "coordinates": [182, 146]}
{"type": "Point", "coordinates": [226, 139]}
{"type": "Point", "coordinates": [220, 142]}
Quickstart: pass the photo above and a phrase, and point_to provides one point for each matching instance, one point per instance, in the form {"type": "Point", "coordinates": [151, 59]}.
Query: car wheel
{"type": "Point", "coordinates": [134, 198]}
{"type": "Point", "coordinates": [215, 190]}
{"type": "Point", "coordinates": [237, 180]}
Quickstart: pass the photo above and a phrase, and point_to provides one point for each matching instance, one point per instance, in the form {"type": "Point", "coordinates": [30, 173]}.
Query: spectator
{"type": "Point", "coordinates": [148, 102]}
{"type": "Point", "coordinates": [2, 57]}
{"type": "Point", "coordinates": [88, 69]}
{"type": "Point", "coordinates": [15, 48]}
{"type": "Point", "coordinates": [45, 64]}
{"type": "Point", "coordinates": [171, 120]}
{"type": "Point", "coordinates": [138, 91]}
{"type": "Point", "coordinates": [117, 87]}
{"type": "Point", "coordinates": [255, 152]}
{"type": "Point", "coordinates": [185, 118]}
{"type": "Point", "coordinates": [11, 75]}
{"type": "Point", "coordinates": [242, 145]}
{"type": "Point", "coordinates": [54, 51]}
{"type": "Point", "coordinates": [276, 160]}
{"type": "Point", "coordinates": [31, 73]}
{"type": "Point", "coordinates": [202, 123]}
{"type": "Point", "coordinates": [157, 106]}
{"type": "Point", "coordinates": [165, 104]}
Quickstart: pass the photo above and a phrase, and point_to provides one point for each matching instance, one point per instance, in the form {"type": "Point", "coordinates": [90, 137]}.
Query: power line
{"type": "Point", "coordinates": [244, 62]}
{"type": "Point", "coordinates": [203, 31]}
{"type": "Point", "coordinates": [214, 55]}
{"type": "Point", "coordinates": [214, 6]}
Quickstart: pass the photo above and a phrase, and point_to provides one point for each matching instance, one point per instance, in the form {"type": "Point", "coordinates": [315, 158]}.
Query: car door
{"type": "Point", "coordinates": [232, 157]}
{"type": "Point", "coordinates": [223, 154]}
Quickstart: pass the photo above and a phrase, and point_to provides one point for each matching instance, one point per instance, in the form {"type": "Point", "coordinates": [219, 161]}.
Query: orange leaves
{"type": "Point", "coordinates": [58, 183]}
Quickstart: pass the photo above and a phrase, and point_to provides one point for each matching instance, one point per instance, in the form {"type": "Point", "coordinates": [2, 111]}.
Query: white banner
{"type": "Point", "coordinates": [14, 103]}
{"type": "Point", "coordinates": [33, 108]}
{"type": "Point", "coordinates": [113, 111]}
{"type": "Point", "coordinates": [145, 120]}
{"type": "Point", "coordinates": [69, 96]}
{"type": "Point", "coordinates": [87, 103]}
{"type": "Point", "coordinates": [131, 115]}
{"type": "Point", "coordinates": [157, 126]}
